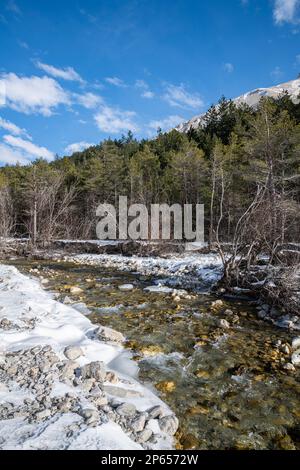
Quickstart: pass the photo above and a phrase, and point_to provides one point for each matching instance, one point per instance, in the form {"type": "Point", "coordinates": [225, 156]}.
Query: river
{"type": "Point", "coordinates": [224, 380]}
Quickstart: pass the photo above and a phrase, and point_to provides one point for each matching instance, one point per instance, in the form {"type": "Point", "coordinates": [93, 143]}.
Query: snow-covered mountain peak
{"type": "Point", "coordinates": [251, 98]}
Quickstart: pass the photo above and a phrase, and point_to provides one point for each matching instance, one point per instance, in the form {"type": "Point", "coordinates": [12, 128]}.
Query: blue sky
{"type": "Point", "coordinates": [77, 71]}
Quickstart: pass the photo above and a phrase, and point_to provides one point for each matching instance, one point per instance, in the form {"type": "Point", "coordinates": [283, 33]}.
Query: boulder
{"type": "Point", "coordinates": [169, 424]}
{"type": "Point", "coordinates": [108, 334]}
{"type": "Point", "coordinates": [68, 370]}
{"type": "Point", "coordinates": [155, 412]}
{"type": "Point", "coordinates": [138, 424]}
{"type": "Point", "coordinates": [126, 409]}
{"type": "Point", "coordinates": [295, 360]}
{"type": "Point", "coordinates": [217, 304]}
{"type": "Point", "coordinates": [121, 392]}
{"type": "Point", "coordinates": [75, 290]}
{"type": "Point", "coordinates": [144, 435]}
{"type": "Point", "coordinates": [126, 287]}
{"type": "Point", "coordinates": [73, 352]}
{"type": "Point", "coordinates": [296, 343]}
{"type": "Point", "coordinates": [94, 370]}
{"type": "Point", "coordinates": [90, 416]}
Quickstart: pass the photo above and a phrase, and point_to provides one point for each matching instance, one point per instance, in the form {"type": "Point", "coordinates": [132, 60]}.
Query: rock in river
{"type": "Point", "coordinates": [75, 290]}
{"type": "Point", "coordinates": [168, 424]}
{"type": "Point", "coordinates": [296, 358]}
{"type": "Point", "coordinates": [108, 334]}
{"type": "Point", "coordinates": [126, 287]}
{"type": "Point", "coordinates": [296, 343]}
{"type": "Point", "coordinates": [224, 324]}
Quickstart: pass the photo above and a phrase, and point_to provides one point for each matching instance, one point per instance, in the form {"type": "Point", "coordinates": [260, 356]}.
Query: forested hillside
{"type": "Point", "coordinates": [243, 164]}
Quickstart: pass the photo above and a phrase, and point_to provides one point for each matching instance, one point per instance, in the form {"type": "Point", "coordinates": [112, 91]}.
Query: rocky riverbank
{"type": "Point", "coordinates": [58, 389]}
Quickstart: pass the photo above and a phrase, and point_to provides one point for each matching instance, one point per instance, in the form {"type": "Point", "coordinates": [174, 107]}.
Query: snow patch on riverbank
{"type": "Point", "coordinates": [194, 271]}
{"type": "Point", "coordinates": [31, 318]}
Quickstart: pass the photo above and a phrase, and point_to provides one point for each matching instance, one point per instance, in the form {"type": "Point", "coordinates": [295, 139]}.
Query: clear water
{"type": "Point", "coordinates": [227, 387]}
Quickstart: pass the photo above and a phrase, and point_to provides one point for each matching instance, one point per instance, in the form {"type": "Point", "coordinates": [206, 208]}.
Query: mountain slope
{"type": "Point", "coordinates": [251, 98]}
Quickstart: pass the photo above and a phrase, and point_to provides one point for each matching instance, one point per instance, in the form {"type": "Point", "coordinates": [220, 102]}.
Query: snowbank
{"type": "Point", "coordinates": [34, 325]}
{"type": "Point", "coordinates": [193, 271]}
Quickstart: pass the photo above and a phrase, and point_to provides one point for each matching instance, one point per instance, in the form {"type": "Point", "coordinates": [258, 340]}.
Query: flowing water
{"type": "Point", "coordinates": [227, 386]}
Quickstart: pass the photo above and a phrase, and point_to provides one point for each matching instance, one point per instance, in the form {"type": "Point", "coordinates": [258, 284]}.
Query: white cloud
{"type": "Point", "coordinates": [13, 7]}
{"type": "Point", "coordinates": [298, 59]}
{"type": "Point", "coordinates": [179, 97]}
{"type": "Point", "coordinates": [23, 44]}
{"type": "Point", "coordinates": [88, 100]}
{"type": "Point", "coordinates": [146, 92]}
{"type": "Point", "coordinates": [12, 156]}
{"type": "Point", "coordinates": [141, 84]}
{"type": "Point", "coordinates": [114, 120]}
{"type": "Point", "coordinates": [12, 128]}
{"type": "Point", "coordinates": [77, 147]}
{"type": "Point", "coordinates": [2, 94]}
{"type": "Point", "coordinates": [116, 82]}
{"type": "Point", "coordinates": [166, 124]}
{"type": "Point", "coordinates": [285, 11]}
{"type": "Point", "coordinates": [33, 94]}
{"type": "Point", "coordinates": [228, 67]}
{"type": "Point", "coordinates": [28, 147]}
{"type": "Point", "coordinates": [91, 18]}
{"type": "Point", "coordinates": [277, 73]}
{"type": "Point", "coordinates": [67, 73]}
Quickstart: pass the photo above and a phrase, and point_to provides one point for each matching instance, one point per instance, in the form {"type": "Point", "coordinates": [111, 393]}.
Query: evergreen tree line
{"type": "Point", "coordinates": [242, 163]}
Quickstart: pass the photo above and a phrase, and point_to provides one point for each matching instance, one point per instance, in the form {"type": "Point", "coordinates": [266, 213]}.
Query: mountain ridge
{"type": "Point", "coordinates": [251, 98]}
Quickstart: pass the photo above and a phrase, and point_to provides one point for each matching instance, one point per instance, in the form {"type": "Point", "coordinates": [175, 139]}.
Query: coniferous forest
{"type": "Point", "coordinates": [241, 163]}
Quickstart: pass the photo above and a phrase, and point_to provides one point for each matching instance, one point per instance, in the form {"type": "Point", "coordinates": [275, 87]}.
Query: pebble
{"type": "Point", "coordinates": [228, 312]}
{"type": "Point", "coordinates": [289, 366]}
{"type": "Point", "coordinates": [217, 304]}
{"type": "Point", "coordinates": [75, 290]}
{"type": "Point", "coordinates": [285, 348]}
{"type": "Point", "coordinates": [224, 324]}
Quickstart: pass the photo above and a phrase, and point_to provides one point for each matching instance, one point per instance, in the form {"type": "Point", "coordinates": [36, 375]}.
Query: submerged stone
{"type": "Point", "coordinates": [165, 386]}
{"type": "Point", "coordinates": [189, 442]}
{"type": "Point", "coordinates": [126, 287]}
{"type": "Point", "coordinates": [151, 350]}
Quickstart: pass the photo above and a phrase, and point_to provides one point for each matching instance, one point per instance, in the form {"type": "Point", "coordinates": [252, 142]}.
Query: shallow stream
{"type": "Point", "coordinates": [227, 386]}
